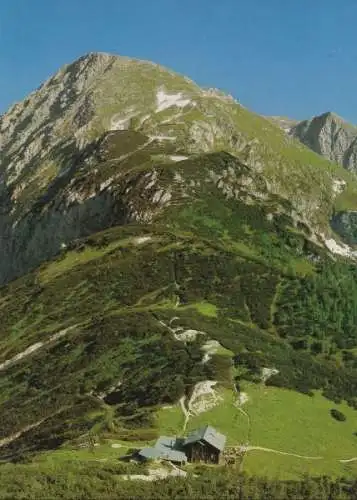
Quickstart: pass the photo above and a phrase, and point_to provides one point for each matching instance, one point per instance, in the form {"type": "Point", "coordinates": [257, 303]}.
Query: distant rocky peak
{"type": "Point", "coordinates": [328, 135]}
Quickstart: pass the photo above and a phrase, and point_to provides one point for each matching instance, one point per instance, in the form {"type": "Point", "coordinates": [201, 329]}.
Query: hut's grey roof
{"type": "Point", "coordinates": [164, 449]}
{"type": "Point", "coordinates": [149, 453]}
{"type": "Point", "coordinates": [168, 449]}
{"type": "Point", "coordinates": [208, 434]}
{"type": "Point", "coordinates": [166, 442]}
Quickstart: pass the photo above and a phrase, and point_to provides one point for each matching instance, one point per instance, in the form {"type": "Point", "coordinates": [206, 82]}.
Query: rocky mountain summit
{"type": "Point", "coordinates": [328, 135]}
{"type": "Point", "coordinates": [65, 151]}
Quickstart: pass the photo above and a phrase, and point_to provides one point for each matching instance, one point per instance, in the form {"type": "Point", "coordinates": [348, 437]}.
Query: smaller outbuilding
{"type": "Point", "coordinates": [166, 448]}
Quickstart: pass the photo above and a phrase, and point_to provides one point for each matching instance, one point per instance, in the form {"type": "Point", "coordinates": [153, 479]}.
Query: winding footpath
{"type": "Point", "coordinates": [185, 413]}
{"type": "Point", "coordinates": [354, 459]}
{"type": "Point", "coordinates": [260, 448]}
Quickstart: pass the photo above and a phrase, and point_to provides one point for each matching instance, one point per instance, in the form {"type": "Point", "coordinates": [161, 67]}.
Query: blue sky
{"type": "Point", "coordinates": [285, 57]}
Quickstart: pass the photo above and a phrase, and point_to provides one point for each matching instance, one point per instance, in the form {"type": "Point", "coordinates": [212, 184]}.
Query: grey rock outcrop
{"type": "Point", "coordinates": [330, 136]}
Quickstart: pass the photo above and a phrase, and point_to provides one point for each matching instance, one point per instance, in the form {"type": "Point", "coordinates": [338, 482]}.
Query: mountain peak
{"type": "Point", "coordinates": [97, 58]}
{"type": "Point", "coordinates": [95, 61]}
{"type": "Point", "coordinates": [328, 115]}
{"type": "Point", "coordinates": [331, 136]}
{"type": "Point", "coordinates": [331, 116]}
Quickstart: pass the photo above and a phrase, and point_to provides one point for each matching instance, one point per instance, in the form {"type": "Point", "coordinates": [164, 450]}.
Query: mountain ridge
{"type": "Point", "coordinates": [156, 238]}
{"type": "Point", "coordinates": [60, 124]}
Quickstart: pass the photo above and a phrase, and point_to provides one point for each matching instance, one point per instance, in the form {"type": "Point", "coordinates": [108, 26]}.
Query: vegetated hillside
{"type": "Point", "coordinates": [213, 221]}
{"type": "Point", "coordinates": [99, 479]}
{"type": "Point", "coordinates": [243, 272]}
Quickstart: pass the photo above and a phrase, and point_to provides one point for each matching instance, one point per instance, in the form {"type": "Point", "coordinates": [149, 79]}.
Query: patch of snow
{"type": "Point", "coordinates": [242, 398]}
{"type": "Point", "coordinates": [34, 347]}
{"type": "Point", "coordinates": [178, 177]}
{"type": "Point", "coordinates": [120, 122]}
{"type": "Point", "coordinates": [167, 197]}
{"type": "Point", "coordinates": [338, 186]}
{"type": "Point", "coordinates": [161, 197]}
{"type": "Point", "coordinates": [157, 196]}
{"type": "Point", "coordinates": [162, 138]}
{"type": "Point", "coordinates": [210, 347]}
{"type": "Point", "coordinates": [178, 158]}
{"type": "Point", "coordinates": [165, 101]}
{"type": "Point", "coordinates": [106, 183]}
{"type": "Point", "coordinates": [153, 178]}
{"type": "Point", "coordinates": [267, 373]}
{"type": "Point", "coordinates": [23, 354]}
{"type": "Point", "coordinates": [338, 248]}
{"type": "Point", "coordinates": [206, 358]}
{"type": "Point", "coordinates": [142, 239]}
{"type": "Point", "coordinates": [188, 335]}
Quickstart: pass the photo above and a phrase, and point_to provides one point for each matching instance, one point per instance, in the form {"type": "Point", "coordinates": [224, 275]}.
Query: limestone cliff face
{"type": "Point", "coordinates": [331, 137]}
{"type": "Point", "coordinates": [84, 151]}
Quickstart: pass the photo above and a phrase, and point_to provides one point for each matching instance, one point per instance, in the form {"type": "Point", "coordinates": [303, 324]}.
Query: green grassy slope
{"type": "Point", "coordinates": [280, 421]}
{"type": "Point", "coordinates": [222, 267]}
